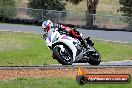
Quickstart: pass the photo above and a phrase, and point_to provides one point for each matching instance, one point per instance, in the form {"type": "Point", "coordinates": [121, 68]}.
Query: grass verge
{"type": "Point", "coordinates": [114, 51]}
{"type": "Point", "coordinates": [55, 83]}
{"type": "Point", "coordinates": [30, 49]}
{"type": "Point", "coordinates": [23, 49]}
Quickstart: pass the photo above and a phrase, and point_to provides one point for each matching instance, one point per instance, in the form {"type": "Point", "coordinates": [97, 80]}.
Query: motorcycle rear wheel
{"type": "Point", "coordinates": [95, 57]}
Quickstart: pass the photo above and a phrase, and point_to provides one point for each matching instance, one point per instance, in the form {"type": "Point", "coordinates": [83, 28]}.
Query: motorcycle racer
{"type": "Point", "coordinates": [49, 28]}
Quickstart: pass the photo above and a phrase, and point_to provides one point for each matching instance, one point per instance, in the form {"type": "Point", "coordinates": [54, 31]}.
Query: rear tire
{"type": "Point", "coordinates": [95, 57]}
{"type": "Point", "coordinates": [61, 58]}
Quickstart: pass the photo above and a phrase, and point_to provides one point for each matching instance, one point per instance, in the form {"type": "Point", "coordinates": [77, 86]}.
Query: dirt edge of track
{"type": "Point", "coordinates": [57, 73]}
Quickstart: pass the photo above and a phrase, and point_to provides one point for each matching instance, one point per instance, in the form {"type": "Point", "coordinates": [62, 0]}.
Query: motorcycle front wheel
{"type": "Point", "coordinates": [63, 57]}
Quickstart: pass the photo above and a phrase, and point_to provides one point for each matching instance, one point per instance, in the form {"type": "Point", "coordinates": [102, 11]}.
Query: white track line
{"type": "Point", "coordinates": [91, 38]}
{"type": "Point", "coordinates": [110, 41]}
{"type": "Point", "coordinates": [19, 32]}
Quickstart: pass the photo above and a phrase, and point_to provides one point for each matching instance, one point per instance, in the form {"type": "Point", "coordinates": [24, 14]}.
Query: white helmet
{"type": "Point", "coordinates": [46, 25]}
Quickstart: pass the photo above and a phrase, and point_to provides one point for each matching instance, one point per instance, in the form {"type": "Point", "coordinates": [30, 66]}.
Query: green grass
{"type": "Point", "coordinates": [112, 51]}
{"type": "Point", "coordinates": [23, 49]}
{"type": "Point", "coordinates": [30, 49]}
{"type": "Point", "coordinates": [55, 83]}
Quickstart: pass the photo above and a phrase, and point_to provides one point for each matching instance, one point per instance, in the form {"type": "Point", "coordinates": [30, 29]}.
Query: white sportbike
{"type": "Point", "coordinates": [69, 50]}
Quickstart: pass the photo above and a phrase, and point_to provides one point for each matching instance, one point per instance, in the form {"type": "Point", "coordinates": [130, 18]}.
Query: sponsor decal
{"type": "Point", "coordinates": [65, 37]}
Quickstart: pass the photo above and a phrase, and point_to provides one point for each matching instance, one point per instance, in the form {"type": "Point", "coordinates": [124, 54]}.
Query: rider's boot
{"type": "Point", "coordinates": [89, 41]}
{"type": "Point", "coordinates": [53, 56]}
{"type": "Point", "coordinates": [84, 43]}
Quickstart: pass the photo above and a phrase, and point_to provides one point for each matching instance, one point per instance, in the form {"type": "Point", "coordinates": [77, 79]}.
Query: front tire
{"type": "Point", "coordinates": [65, 58]}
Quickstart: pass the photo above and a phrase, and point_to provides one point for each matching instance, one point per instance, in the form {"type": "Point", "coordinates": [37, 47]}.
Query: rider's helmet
{"type": "Point", "coordinates": [47, 25]}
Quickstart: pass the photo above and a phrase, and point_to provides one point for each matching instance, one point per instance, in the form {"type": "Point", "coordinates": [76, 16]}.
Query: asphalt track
{"type": "Point", "coordinates": [117, 36]}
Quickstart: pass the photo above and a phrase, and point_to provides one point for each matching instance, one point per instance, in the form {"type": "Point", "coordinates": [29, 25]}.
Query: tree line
{"type": "Point", "coordinates": [59, 5]}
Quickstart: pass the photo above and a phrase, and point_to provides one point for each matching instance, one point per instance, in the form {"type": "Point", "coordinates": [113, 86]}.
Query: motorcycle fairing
{"type": "Point", "coordinates": [69, 42]}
